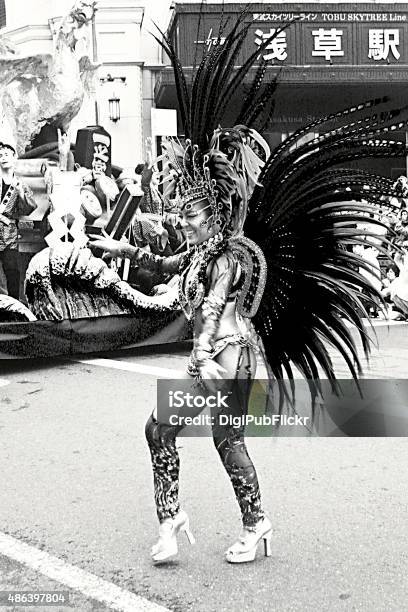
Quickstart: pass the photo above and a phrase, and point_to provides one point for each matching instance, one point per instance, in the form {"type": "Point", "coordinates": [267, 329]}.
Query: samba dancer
{"type": "Point", "coordinates": [288, 280]}
{"type": "Point", "coordinates": [211, 286]}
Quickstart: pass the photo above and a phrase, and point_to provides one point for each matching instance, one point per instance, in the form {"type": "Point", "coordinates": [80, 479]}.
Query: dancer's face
{"type": "Point", "coordinates": [194, 222]}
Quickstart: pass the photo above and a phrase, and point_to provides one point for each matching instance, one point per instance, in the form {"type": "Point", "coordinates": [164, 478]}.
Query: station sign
{"type": "Point", "coordinates": [313, 36]}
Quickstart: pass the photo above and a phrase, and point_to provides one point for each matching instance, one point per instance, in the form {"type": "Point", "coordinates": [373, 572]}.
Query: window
{"type": "Point", "coordinates": [2, 13]}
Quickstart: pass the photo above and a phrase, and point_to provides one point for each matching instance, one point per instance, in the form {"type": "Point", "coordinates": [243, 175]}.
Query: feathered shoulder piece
{"type": "Point", "coordinates": [254, 268]}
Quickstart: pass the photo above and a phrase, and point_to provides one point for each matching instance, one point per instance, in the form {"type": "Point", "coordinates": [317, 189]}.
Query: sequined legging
{"type": "Point", "coordinates": [229, 442]}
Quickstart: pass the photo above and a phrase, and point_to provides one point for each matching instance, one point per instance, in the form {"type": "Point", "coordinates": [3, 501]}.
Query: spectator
{"type": "Point", "coordinates": [401, 189]}
{"type": "Point", "coordinates": [372, 273]}
{"type": "Point", "coordinates": [398, 288]}
{"type": "Point", "coordinates": [401, 229]}
{"type": "Point", "coordinates": [156, 225]}
{"type": "Point", "coordinates": [16, 202]}
{"type": "Point", "coordinates": [152, 201]}
{"type": "Point", "coordinates": [390, 275]}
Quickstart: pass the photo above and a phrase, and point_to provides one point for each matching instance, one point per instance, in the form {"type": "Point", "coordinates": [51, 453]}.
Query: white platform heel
{"type": "Point", "coordinates": [166, 546]}
{"type": "Point", "coordinates": [245, 548]}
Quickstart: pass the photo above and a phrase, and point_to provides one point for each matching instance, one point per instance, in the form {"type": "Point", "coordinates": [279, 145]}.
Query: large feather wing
{"type": "Point", "coordinates": [306, 216]}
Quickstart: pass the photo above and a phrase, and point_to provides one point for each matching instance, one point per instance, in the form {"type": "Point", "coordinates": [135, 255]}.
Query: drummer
{"type": "Point", "coordinates": [16, 201]}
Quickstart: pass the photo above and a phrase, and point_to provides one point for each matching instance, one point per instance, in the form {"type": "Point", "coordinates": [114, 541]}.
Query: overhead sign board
{"type": "Point", "coordinates": [313, 36]}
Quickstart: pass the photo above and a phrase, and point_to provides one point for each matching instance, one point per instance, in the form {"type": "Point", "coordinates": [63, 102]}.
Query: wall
{"type": "Point", "coordinates": [118, 28]}
{"type": "Point", "coordinates": [2, 13]}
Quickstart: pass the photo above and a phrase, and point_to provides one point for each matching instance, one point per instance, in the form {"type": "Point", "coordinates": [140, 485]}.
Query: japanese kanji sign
{"type": "Point", "coordinates": [277, 47]}
{"type": "Point", "coordinates": [382, 43]}
{"type": "Point", "coordinates": [327, 43]}
{"type": "Point", "coordinates": [315, 37]}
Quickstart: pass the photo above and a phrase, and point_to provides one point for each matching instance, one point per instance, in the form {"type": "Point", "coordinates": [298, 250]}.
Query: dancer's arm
{"type": "Point", "coordinates": [138, 256]}
{"type": "Point", "coordinates": [221, 277]}
{"type": "Point", "coordinates": [148, 261]}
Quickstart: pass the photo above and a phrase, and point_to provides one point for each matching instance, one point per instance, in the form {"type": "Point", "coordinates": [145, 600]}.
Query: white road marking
{"type": "Point", "coordinates": [153, 370]}
{"type": "Point", "coordinates": [4, 382]}
{"type": "Point", "coordinates": [76, 578]}
{"type": "Point", "coordinates": [378, 323]}
{"type": "Point", "coordinates": [134, 367]}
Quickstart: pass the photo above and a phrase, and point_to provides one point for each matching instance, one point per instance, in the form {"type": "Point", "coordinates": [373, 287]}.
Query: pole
{"type": "Point", "coordinates": [95, 60]}
{"type": "Point", "coordinates": [406, 157]}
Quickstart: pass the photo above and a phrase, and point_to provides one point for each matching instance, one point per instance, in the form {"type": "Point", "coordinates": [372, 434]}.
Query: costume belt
{"type": "Point", "coordinates": [219, 346]}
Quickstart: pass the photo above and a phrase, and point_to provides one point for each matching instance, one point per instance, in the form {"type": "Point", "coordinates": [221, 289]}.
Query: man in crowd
{"type": "Point", "coordinates": [401, 229]}
{"type": "Point", "coordinates": [398, 288]}
{"type": "Point", "coordinates": [16, 202]}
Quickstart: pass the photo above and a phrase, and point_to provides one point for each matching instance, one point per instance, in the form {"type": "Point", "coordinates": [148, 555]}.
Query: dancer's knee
{"type": "Point", "coordinates": [150, 430]}
{"type": "Point", "coordinates": [159, 434]}
{"type": "Point", "coordinates": [227, 441]}
{"type": "Point", "coordinates": [219, 435]}
{"type": "Point", "coordinates": [232, 449]}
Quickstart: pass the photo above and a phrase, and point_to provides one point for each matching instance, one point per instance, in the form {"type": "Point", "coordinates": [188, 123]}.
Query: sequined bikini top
{"type": "Point", "coordinates": [193, 276]}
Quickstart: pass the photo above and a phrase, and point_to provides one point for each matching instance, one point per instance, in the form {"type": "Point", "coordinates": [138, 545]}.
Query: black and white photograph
{"type": "Point", "coordinates": [203, 306]}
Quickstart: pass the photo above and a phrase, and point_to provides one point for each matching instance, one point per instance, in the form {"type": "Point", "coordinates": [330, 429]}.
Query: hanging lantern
{"type": "Point", "coordinates": [114, 109]}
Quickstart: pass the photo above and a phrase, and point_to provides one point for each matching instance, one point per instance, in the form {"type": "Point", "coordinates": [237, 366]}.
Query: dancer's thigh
{"type": "Point", "coordinates": [238, 361]}
{"type": "Point", "coordinates": [184, 377]}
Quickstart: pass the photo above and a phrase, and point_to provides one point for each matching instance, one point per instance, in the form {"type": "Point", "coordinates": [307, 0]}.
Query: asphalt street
{"type": "Point", "coordinates": [76, 483]}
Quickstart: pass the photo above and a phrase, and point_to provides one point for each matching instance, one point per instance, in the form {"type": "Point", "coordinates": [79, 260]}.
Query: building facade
{"type": "Point", "coordinates": [332, 56]}
{"type": "Point", "coordinates": [326, 57]}
{"type": "Point", "coordinates": [2, 14]}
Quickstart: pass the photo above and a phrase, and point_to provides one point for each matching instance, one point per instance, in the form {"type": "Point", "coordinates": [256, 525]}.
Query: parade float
{"type": "Point", "coordinates": [71, 300]}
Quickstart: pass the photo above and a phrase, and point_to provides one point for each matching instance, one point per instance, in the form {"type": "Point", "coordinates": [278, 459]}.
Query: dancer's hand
{"type": "Point", "coordinates": [211, 374]}
{"type": "Point", "coordinates": [160, 289]}
{"type": "Point", "coordinates": [211, 370]}
{"type": "Point", "coordinates": [172, 218]}
{"type": "Point", "coordinates": [111, 247]}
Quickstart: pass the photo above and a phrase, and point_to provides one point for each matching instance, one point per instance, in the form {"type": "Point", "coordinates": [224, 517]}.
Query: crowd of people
{"type": "Point", "coordinates": [394, 276]}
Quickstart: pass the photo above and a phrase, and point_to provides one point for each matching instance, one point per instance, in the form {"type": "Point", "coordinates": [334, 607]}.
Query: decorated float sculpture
{"type": "Point", "coordinates": [73, 301]}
